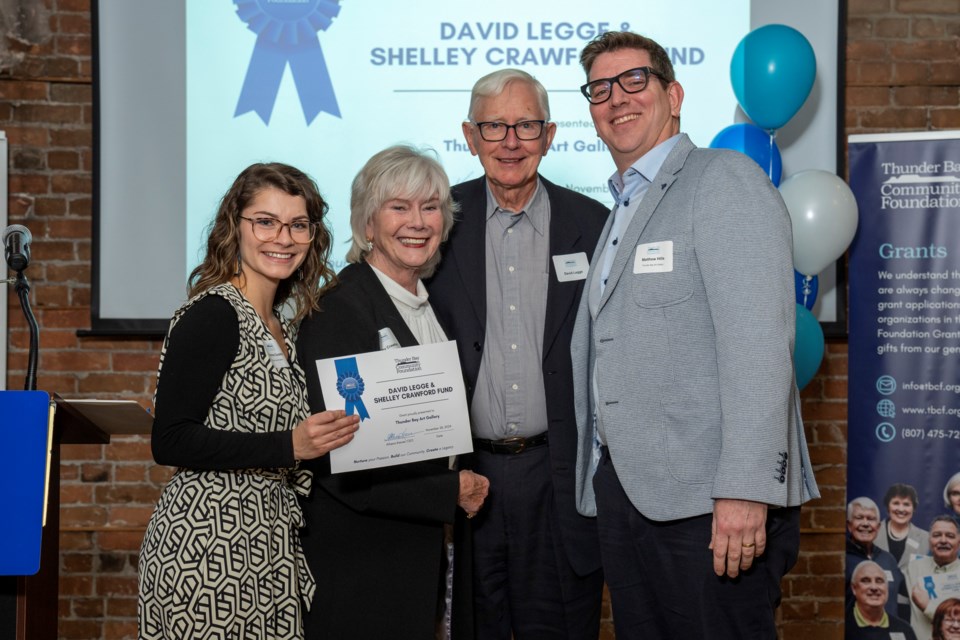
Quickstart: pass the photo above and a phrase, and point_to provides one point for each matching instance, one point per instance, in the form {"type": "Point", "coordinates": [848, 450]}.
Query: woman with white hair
{"type": "Point", "coordinates": [376, 538]}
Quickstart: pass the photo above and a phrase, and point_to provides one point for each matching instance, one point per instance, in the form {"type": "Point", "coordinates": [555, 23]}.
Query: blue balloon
{"type": "Point", "coordinates": [772, 72]}
{"type": "Point", "coordinates": [808, 347]}
{"type": "Point", "coordinates": [806, 289]}
{"type": "Point", "coordinates": [755, 143]}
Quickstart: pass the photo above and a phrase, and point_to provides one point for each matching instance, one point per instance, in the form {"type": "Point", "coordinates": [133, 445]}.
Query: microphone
{"type": "Point", "coordinates": [16, 247]}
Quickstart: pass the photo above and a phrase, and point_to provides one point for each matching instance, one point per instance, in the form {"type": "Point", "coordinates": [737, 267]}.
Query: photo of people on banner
{"type": "Point", "coordinates": [903, 516]}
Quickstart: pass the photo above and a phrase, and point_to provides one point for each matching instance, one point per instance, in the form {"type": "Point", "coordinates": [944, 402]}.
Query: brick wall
{"type": "Point", "coordinates": [902, 74]}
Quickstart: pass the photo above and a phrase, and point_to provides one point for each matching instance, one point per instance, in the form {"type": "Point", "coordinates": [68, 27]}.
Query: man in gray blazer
{"type": "Point", "coordinates": [691, 449]}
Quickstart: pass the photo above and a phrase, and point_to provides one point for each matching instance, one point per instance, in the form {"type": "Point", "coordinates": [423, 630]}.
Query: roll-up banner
{"type": "Point", "coordinates": [904, 382]}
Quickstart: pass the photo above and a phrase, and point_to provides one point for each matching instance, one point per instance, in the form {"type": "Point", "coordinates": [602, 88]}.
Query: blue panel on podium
{"type": "Point", "coordinates": [23, 463]}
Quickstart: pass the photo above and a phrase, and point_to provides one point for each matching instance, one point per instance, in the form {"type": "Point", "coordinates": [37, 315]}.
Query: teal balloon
{"type": "Point", "coordinates": [754, 142]}
{"type": "Point", "coordinates": [772, 73]}
{"type": "Point", "coordinates": [808, 347]}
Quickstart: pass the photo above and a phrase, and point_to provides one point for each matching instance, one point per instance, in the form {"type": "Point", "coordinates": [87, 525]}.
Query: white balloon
{"type": "Point", "coordinates": [824, 216]}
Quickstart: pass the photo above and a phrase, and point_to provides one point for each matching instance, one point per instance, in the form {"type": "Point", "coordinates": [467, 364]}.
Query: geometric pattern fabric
{"type": "Point", "coordinates": [221, 557]}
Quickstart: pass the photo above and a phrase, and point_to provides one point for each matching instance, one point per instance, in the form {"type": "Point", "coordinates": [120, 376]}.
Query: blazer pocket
{"type": "Point", "coordinates": [666, 288]}
{"type": "Point", "coordinates": [692, 438]}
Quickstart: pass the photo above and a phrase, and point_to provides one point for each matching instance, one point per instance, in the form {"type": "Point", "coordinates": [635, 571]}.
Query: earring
{"type": "Point", "coordinates": [239, 269]}
{"type": "Point", "coordinates": [369, 245]}
{"type": "Point", "coordinates": [300, 274]}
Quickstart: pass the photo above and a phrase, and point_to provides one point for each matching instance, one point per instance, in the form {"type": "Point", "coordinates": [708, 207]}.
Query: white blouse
{"type": "Point", "coordinates": [414, 309]}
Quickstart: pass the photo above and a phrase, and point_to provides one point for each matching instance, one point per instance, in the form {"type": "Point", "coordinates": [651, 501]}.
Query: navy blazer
{"type": "Point", "coordinates": [458, 294]}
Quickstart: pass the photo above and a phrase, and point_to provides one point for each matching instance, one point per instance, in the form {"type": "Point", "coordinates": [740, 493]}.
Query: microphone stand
{"type": "Point", "coordinates": [22, 287]}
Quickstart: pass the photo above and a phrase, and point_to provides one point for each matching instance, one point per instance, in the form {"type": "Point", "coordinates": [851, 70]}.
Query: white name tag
{"type": "Point", "coordinates": [913, 543]}
{"type": "Point", "coordinates": [654, 257]}
{"type": "Point", "coordinates": [898, 635]}
{"type": "Point", "coordinates": [275, 353]}
{"type": "Point", "coordinates": [889, 575]}
{"type": "Point", "coordinates": [573, 266]}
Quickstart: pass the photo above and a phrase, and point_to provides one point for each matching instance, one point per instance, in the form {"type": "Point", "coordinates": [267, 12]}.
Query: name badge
{"type": "Point", "coordinates": [889, 575]}
{"type": "Point", "coordinates": [898, 635]}
{"type": "Point", "coordinates": [654, 257]}
{"type": "Point", "coordinates": [275, 354]}
{"type": "Point", "coordinates": [570, 267]}
{"type": "Point", "coordinates": [913, 543]}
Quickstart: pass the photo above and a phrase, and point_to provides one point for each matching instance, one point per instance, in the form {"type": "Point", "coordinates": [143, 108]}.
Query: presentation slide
{"type": "Point", "coordinates": [323, 86]}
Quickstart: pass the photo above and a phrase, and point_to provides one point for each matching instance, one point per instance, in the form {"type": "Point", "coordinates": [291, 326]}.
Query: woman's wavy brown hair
{"type": "Point", "coordinates": [221, 261]}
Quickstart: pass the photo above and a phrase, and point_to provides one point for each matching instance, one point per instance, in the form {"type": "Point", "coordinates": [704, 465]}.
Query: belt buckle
{"type": "Point", "coordinates": [516, 444]}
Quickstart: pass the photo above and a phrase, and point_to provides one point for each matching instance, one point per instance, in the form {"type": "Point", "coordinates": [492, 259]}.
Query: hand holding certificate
{"type": "Point", "coordinates": [411, 402]}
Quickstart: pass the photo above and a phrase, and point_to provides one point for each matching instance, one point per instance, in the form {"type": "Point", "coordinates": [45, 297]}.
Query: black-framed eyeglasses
{"type": "Point", "coordinates": [632, 81]}
{"type": "Point", "coordinates": [497, 131]}
{"type": "Point", "coordinates": [268, 229]}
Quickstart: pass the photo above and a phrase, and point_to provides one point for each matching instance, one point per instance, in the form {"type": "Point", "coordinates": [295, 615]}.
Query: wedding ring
{"type": "Point", "coordinates": [470, 515]}
{"type": "Point", "coordinates": [748, 545]}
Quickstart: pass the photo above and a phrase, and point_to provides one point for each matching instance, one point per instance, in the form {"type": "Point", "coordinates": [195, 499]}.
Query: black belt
{"type": "Point", "coordinates": [515, 444]}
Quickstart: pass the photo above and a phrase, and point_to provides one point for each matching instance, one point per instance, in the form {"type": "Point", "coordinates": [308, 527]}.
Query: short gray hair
{"type": "Point", "coordinates": [493, 84]}
{"type": "Point", "coordinates": [864, 503]}
{"type": "Point", "coordinates": [400, 171]}
{"type": "Point", "coordinates": [861, 567]}
{"type": "Point", "coordinates": [952, 482]}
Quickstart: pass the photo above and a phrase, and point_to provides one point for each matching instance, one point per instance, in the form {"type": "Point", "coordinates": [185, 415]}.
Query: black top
{"type": "Point", "coordinates": [200, 350]}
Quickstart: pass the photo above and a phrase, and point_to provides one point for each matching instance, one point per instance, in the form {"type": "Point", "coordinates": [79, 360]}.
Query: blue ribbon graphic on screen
{"type": "Point", "coordinates": [350, 386]}
{"type": "Point", "coordinates": [287, 33]}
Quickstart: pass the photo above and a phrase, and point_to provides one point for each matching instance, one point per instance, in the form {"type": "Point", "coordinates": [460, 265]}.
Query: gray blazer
{"type": "Point", "coordinates": [918, 543]}
{"type": "Point", "coordinates": [695, 365]}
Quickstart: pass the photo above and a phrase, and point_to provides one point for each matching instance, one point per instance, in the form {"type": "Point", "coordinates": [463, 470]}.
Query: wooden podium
{"type": "Point", "coordinates": [29, 604]}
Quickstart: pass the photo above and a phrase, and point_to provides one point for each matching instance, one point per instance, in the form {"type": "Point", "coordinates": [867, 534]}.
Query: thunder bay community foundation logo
{"type": "Point", "coordinates": [924, 185]}
{"type": "Point", "coordinates": [287, 33]}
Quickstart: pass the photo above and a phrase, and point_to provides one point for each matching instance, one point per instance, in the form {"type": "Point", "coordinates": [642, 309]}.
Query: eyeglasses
{"type": "Point", "coordinates": [631, 81]}
{"type": "Point", "coordinates": [268, 229]}
{"type": "Point", "coordinates": [497, 131]}
{"type": "Point", "coordinates": [951, 622]}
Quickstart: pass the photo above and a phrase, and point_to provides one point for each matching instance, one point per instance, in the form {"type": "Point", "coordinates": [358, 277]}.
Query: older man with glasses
{"type": "Point", "coordinates": [507, 290]}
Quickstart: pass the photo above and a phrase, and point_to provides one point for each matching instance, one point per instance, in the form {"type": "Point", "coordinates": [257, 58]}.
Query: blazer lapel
{"type": "Point", "coordinates": [651, 199]}
{"type": "Point", "coordinates": [564, 238]}
{"type": "Point", "coordinates": [470, 258]}
{"type": "Point", "coordinates": [385, 311]}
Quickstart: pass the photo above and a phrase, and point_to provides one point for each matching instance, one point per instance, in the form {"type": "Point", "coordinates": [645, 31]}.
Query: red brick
{"type": "Point", "coordinates": [88, 607]}
{"type": "Point", "coordinates": [71, 183]}
{"type": "Point", "coordinates": [76, 585]}
{"type": "Point", "coordinates": [63, 160]}
{"type": "Point", "coordinates": [122, 607]}
{"type": "Point", "coordinates": [131, 516]}
{"type": "Point", "coordinates": [948, 7]}
{"type": "Point", "coordinates": [75, 494]}
{"type": "Point", "coordinates": [22, 90]}
{"type": "Point", "coordinates": [73, 45]}
{"type": "Point", "coordinates": [52, 114]}
{"type": "Point", "coordinates": [76, 562]}
{"type": "Point", "coordinates": [130, 473]}
{"type": "Point", "coordinates": [71, 137]}
{"type": "Point", "coordinates": [127, 494]}
{"type": "Point", "coordinates": [860, 7]}
{"type": "Point", "coordinates": [145, 362]}
{"type": "Point", "coordinates": [68, 629]}
{"type": "Point", "coordinates": [120, 540]}
{"type": "Point", "coordinates": [80, 452]}
{"type": "Point", "coordinates": [892, 27]}
{"type": "Point", "coordinates": [129, 449]}
{"type": "Point", "coordinates": [76, 540]}
{"type": "Point", "coordinates": [73, 517]}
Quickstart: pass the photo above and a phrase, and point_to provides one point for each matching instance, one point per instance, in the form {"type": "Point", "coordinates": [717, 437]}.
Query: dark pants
{"type": "Point", "coordinates": [523, 583]}
{"type": "Point", "coordinates": [660, 574]}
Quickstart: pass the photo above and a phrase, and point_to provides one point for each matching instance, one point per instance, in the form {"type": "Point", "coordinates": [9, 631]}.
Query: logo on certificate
{"type": "Point", "coordinates": [408, 365]}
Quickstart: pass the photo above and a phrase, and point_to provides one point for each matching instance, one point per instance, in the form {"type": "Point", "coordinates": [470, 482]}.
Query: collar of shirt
{"type": "Point", "coordinates": [863, 622]}
{"type": "Point", "coordinates": [645, 168]}
{"type": "Point", "coordinates": [534, 209]}
{"type": "Point", "coordinates": [397, 293]}
{"type": "Point", "coordinates": [947, 568]}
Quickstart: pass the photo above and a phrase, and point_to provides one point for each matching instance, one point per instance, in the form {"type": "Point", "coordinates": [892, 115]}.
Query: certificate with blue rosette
{"type": "Point", "coordinates": [411, 401]}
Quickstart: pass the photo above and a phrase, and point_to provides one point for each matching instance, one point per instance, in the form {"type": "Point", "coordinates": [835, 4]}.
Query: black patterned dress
{"type": "Point", "coordinates": [221, 557]}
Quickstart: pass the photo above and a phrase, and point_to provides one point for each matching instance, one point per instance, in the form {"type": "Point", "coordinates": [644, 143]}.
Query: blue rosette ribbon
{"type": "Point", "coordinates": [350, 386]}
{"type": "Point", "coordinates": [287, 33]}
